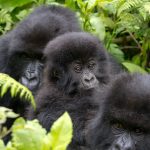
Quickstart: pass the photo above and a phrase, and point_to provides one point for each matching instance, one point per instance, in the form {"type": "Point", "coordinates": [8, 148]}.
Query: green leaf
{"type": "Point", "coordinates": [61, 132]}
{"type": "Point", "coordinates": [70, 4]}
{"type": "Point", "coordinates": [2, 146]}
{"type": "Point", "coordinates": [6, 83]}
{"type": "Point", "coordinates": [136, 59]}
{"type": "Point", "coordinates": [133, 68]}
{"type": "Point", "coordinates": [14, 3]}
{"type": "Point", "coordinates": [99, 27]}
{"type": "Point", "coordinates": [92, 4]}
{"type": "Point", "coordinates": [6, 113]}
{"type": "Point", "coordinates": [5, 88]}
{"type": "Point", "coordinates": [27, 135]}
{"type": "Point", "coordinates": [116, 52]}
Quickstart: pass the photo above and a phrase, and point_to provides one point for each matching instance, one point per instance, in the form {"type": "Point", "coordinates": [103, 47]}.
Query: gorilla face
{"type": "Point", "coordinates": [84, 73]}
{"type": "Point", "coordinates": [124, 122]}
{"type": "Point", "coordinates": [27, 68]}
{"type": "Point", "coordinates": [76, 62]}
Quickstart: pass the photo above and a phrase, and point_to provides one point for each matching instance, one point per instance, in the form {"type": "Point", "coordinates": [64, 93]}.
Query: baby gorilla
{"type": "Point", "coordinates": [76, 65]}
{"type": "Point", "coordinates": [124, 121]}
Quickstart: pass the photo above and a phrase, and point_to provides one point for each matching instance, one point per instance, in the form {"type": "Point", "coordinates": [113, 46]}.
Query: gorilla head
{"type": "Point", "coordinates": [76, 62]}
{"type": "Point", "coordinates": [26, 42]}
{"type": "Point", "coordinates": [124, 122]}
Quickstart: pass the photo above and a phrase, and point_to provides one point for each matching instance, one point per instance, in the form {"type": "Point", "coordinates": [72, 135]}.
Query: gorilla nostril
{"type": "Point", "coordinates": [117, 147]}
{"type": "Point", "coordinates": [89, 79]}
{"type": "Point", "coordinates": [92, 78]}
{"type": "Point", "coordinates": [86, 80]}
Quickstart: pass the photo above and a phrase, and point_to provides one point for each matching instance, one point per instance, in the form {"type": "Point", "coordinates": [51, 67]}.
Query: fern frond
{"type": "Point", "coordinates": [131, 22]}
{"type": "Point", "coordinates": [147, 7]}
{"type": "Point", "coordinates": [8, 83]}
{"type": "Point", "coordinates": [128, 4]}
{"type": "Point", "coordinates": [145, 11]}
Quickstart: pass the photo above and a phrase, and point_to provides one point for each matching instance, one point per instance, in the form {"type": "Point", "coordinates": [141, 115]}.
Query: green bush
{"type": "Point", "coordinates": [29, 135]}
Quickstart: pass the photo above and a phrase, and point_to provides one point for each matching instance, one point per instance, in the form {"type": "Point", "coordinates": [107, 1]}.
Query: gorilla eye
{"type": "Point", "coordinates": [24, 55]}
{"type": "Point", "coordinates": [138, 130]}
{"type": "Point", "coordinates": [118, 126]}
{"type": "Point", "coordinates": [77, 67]}
{"type": "Point", "coordinates": [42, 59]}
{"type": "Point", "coordinates": [91, 65]}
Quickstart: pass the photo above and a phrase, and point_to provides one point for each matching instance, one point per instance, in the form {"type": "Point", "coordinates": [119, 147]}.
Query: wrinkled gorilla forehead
{"type": "Point", "coordinates": [74, 46]}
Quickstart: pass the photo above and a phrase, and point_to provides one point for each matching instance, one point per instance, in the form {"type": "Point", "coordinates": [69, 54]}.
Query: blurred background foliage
{"type": "Point", "coordinates": [122, 25]}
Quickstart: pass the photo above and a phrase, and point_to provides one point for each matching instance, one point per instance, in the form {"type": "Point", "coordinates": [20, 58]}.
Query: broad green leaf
{"type": "Point", "coordinates": [116, 52]}
{"type": "Point", "coordinates": [14, 3]}
{"type": "Point", "coordinates": [2, 146]}
{"type": "Point", "coordinates": [133, 68]}
{"type": "Point", "coordinates": [6, 113]}
{"type": "Point", "coordinates": [46, 143]}
{"type": "Point", "coordinates": [27, 135]}
{"type": "Point", "coordinates": [70, 3]}
{"type": "Point", "coordinates": [98, 26]}
{"type": "Point", "coordinates": [136, 59]}
{"type": "Point", "coordinates": [61, 132]}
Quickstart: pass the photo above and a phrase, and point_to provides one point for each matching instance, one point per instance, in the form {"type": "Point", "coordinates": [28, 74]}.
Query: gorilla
{"type": "Point", "coordinates": [21, 50]}
{"type": "Point", "coordinates": [123, 121]}
{"type": "Point", "coordinates": [77, 66]}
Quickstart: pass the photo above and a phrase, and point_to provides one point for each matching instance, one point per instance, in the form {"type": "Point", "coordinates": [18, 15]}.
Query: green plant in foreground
{"type": "Point", "coordinates": [16, 89]}
{"type": "Point", "coordinates": [29, 135]}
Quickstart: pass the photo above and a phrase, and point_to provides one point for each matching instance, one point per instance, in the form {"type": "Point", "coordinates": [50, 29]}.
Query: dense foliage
{"type": "Point", "coordinates": [30, 135]}
{"type": "Point", "coordinates": [122, 25]}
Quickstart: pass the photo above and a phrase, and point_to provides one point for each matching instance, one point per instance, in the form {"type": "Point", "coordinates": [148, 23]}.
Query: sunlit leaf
{"type": "Point", "coordinates": [133, 68]}
{"type": "Point", "coordinates": [61, 132]}
{"type": "Point", "coordinates": [2, 146]}
{"type": "Point", "coordinates": [13, 3]}
{"type": "Point", "coordinates": [98, 26]}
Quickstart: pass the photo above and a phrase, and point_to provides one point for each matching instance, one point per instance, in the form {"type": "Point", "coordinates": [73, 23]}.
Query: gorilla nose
{"type": "Point", "coordinates": [30, 75]}
{"type": "Point", "coordinates": [124, 143]}
{"type": "Point", "coordinates": [88, 79]}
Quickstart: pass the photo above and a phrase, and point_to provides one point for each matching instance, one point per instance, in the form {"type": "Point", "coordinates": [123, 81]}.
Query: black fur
{"type": "Point", "coordinates": [60, 90]}
{"type": "Point", "coordinates": [125, 114]}
{"type": "Point", "coordinates": [24, 45]}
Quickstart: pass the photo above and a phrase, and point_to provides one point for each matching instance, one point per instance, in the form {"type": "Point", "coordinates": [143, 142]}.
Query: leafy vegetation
{"type": "Point", "coordinates": [30, 135]}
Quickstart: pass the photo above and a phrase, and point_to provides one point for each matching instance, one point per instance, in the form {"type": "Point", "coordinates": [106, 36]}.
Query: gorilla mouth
{"type": "Point", "coordinates": [89, 86]}
{"type": "Point", "coordinates": [30, 84]}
